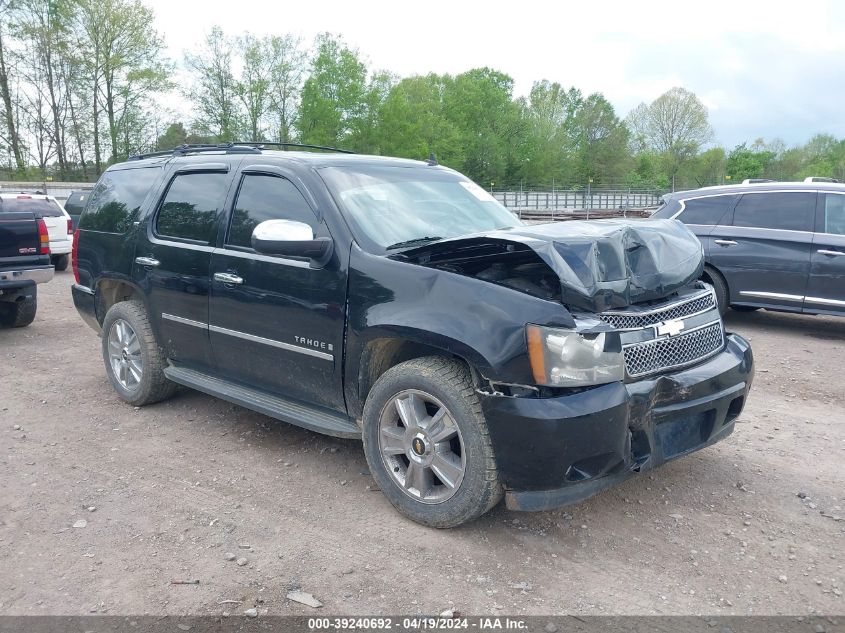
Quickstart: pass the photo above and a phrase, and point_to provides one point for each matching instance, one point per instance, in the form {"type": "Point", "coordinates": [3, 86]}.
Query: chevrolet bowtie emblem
{"type": "Point", "coordinates": [670, 328]}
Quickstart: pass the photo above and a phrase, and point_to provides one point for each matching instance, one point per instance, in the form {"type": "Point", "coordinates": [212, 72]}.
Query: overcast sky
{"type": "Point", "coordinates": [764, 69]}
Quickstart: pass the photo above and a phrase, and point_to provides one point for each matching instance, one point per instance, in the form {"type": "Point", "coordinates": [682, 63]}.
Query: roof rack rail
{"type": "Point", "coordinates": [819, 179]}
{"type": "Point", "coordinates": [240, 147]}
{"type": "Point", "coordinates": [182, 150]}
{"type": "Point", "coordinates": [260, 144]}
{"type": "Point", "coordinates": [756, 181]}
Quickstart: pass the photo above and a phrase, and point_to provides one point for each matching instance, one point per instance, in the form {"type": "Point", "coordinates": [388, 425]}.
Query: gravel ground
{"type": "Point", "coordinates": [102, 505]}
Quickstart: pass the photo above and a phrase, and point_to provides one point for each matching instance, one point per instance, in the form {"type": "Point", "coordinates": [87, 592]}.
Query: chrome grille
{"type": "Point", "coordinates": [636, 320]}
{"type": "Point", "coordinates": [675, 351]}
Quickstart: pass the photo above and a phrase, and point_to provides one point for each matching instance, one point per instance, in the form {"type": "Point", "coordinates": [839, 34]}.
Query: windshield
{"type": "Point", "coordinates": [398, 207]}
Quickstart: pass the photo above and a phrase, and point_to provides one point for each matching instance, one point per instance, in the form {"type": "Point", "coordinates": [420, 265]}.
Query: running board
{"type": "Point", "coordinates": [321, 421]}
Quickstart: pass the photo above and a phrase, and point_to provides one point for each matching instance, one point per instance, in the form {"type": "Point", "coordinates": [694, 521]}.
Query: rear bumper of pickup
{"type": "Point", "coordinates": [552, 452]}
{"type": "Point", "coordinates": [18, 278]}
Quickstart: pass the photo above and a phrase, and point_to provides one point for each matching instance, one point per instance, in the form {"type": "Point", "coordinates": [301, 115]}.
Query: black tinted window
{"type": "Point", "coordinates": [791, 211]}
{"type": "Point", "coordinates": [834, 214]}
{"type": "Point", "coordinates": [189, 209]}
{"type": "Point", "coordinates": [76, 202]}
{"type": "Point", "coordinates": [40, 207]}
{"type": "Point", "coordinates": [266, 198]}
{"type": "Point", "coordinates": [706, 211]}
{"type": "Point", "coordinates": [117, 198]}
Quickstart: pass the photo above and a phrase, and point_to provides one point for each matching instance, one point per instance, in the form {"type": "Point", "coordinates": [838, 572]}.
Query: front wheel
{"type": "Point", "coordinates": [134, 361]}
{"type": "Point", "coordinates": [427, 444]}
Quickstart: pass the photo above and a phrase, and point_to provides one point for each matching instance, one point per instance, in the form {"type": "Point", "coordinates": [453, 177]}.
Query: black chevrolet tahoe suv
{"type": "Point", "coordinates": [397, 302]}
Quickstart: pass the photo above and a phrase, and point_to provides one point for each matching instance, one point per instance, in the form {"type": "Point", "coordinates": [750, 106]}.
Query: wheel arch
{"type": "Point", "coordinates": [112, 290]}
{"type": "Point", "coordinates": [384, 348]}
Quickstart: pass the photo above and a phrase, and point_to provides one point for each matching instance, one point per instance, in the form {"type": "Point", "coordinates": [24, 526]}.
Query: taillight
{"type": "Point", "coordinates": [74, 256]}
{"type": "Point", "coordinates": [43, 237]}
{"type": "Point", "coordinates": [70, 226]}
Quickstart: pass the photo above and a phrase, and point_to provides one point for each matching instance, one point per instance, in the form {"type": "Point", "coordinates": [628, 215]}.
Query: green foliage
{"type": "Point", "coordinates": [333, 97]}
{"type": "Point", "coordinates": [745, 163]}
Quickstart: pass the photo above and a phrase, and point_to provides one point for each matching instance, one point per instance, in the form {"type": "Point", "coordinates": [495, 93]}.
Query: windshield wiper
{"type": "Point", "coordinates": [417, 241]}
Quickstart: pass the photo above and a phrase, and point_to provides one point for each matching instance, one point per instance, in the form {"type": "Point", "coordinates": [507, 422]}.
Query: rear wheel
{"type": "Point", "coordinates": [60, 262]}
{"type": "Point", "coordinates": [720, 287]}
{"type": "Point", "coordinates": [427, 443]}
{"type": "Point", "coordinates": [18, 313]}
{"type": "Point", "coordinates": [134, 361]}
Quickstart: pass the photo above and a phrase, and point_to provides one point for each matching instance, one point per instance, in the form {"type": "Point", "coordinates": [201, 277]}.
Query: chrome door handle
{"type": "Point", "coordinates": [228, 278]}
{"type": "Point", "coordinates": [147, 261]}
{"type": "Point", "coordinates": [725, 242]}
{"type": "Point", "coordinates": [831, 253]}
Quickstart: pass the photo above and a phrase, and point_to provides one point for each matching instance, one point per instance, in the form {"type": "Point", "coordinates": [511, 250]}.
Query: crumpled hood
{"type": "Point", "coordinates": [601, 264]}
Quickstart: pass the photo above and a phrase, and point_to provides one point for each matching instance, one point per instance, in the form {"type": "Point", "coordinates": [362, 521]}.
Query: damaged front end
{"type": "Point", "coordinates": [646, 374]}
{"type": "Point", "coordinates": [588, 266]}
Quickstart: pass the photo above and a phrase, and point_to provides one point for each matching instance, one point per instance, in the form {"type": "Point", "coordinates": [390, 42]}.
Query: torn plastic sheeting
{"type": "Point", "coordinates": [604, 264]}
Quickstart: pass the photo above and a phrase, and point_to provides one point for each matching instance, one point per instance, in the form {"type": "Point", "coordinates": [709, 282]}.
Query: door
{"type": "Point", "coordinates": [826, 287]}
{"type": "Point", "coordinates": [172, 261]}
{"type": "Point", "coordinates": [764, 250]}
{"type": "Point", "coordinates": [277, 323]}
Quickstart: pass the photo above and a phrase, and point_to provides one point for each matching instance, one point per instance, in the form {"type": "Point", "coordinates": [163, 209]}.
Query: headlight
{"type": "Point", "coordinates": [563, 358]}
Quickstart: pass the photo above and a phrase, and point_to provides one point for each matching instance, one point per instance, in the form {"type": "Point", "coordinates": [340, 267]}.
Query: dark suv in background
{"type": "Point", "coordinates": [773, 245]}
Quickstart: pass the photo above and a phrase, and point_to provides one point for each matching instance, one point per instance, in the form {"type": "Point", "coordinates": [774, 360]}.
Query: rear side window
{"type": "Point", "coordinates": [787, 211]}
{"type": "Point", "coordinates": [834, 214]}
{"type": "Point", "coordinates": [263, 198]}
{"type": "Point", "coordinates": [190, 206]}
{"type": "Point", "coordinates": [117, 198]}
{"type": "Point", "coordinates": [40, 207]}
{"type": "Point", "coordinates": [708, 211]}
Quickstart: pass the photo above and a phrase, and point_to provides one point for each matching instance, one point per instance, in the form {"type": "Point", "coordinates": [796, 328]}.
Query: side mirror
{"type": "Point", "coordinates": [291, 239]}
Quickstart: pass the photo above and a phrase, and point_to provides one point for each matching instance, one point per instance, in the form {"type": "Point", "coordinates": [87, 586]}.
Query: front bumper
{"type": "Point", "coordinates": [552, 452]}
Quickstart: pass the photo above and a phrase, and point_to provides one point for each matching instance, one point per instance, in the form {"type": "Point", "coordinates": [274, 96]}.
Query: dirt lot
{"type": "Point", "coordinates": [167, 491]}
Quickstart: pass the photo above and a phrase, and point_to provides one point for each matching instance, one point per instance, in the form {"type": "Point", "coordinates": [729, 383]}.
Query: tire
{"type": "Point", "coordinates": [422, 387]}
{"type": "Point", "coordinates": [134, 361]}
{"type": "Point", "coordinates": [18, 313]}
{"type": "Point", "coordinates": [720, 287]}
{"type": "Point", "coordinates": [60, 262]}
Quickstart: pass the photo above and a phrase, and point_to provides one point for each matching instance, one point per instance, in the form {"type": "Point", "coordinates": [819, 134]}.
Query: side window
{"type": "Point", "coordinates": [834, 214]}
{"type": "Point", "coordinates": [706, 211]}
{"type": "Point", "coordinates": [115, 203]}
{"type": "Point", "coordinates": [190, 206]}
{"type": "Point", "coordinates": [788, 211]}
{"type": "Point", "coordinates": [263, 197]}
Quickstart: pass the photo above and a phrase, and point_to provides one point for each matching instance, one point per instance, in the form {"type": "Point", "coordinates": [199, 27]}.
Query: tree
{"type": "Point", "coordinates": [12, 138]}
{"type": "Point", "coordinates": [549, 115]}
{"type": "Point", "coordinates": [745, 163]}
{"type": "Point", "coordinates": [253, 89]}
{"type": "Point", "coordinates": [412, 122]}
{"type": "Point", "coordinates": [479, 103]}
{"type": "Point", "coordinates": [174, 136]}
{"type": "Point", "coordinates": [601, 141]}
{"type": "Point", "coordinates": [675, 126]}
{"type": "Point", "coordinates": [287, 69]}
{"type": "Point", "coordinates": [126, 68]}
{"type": "Point", "coordinates": [214, 92]}
{"type": "Point", "coordinates": [333, 96]}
